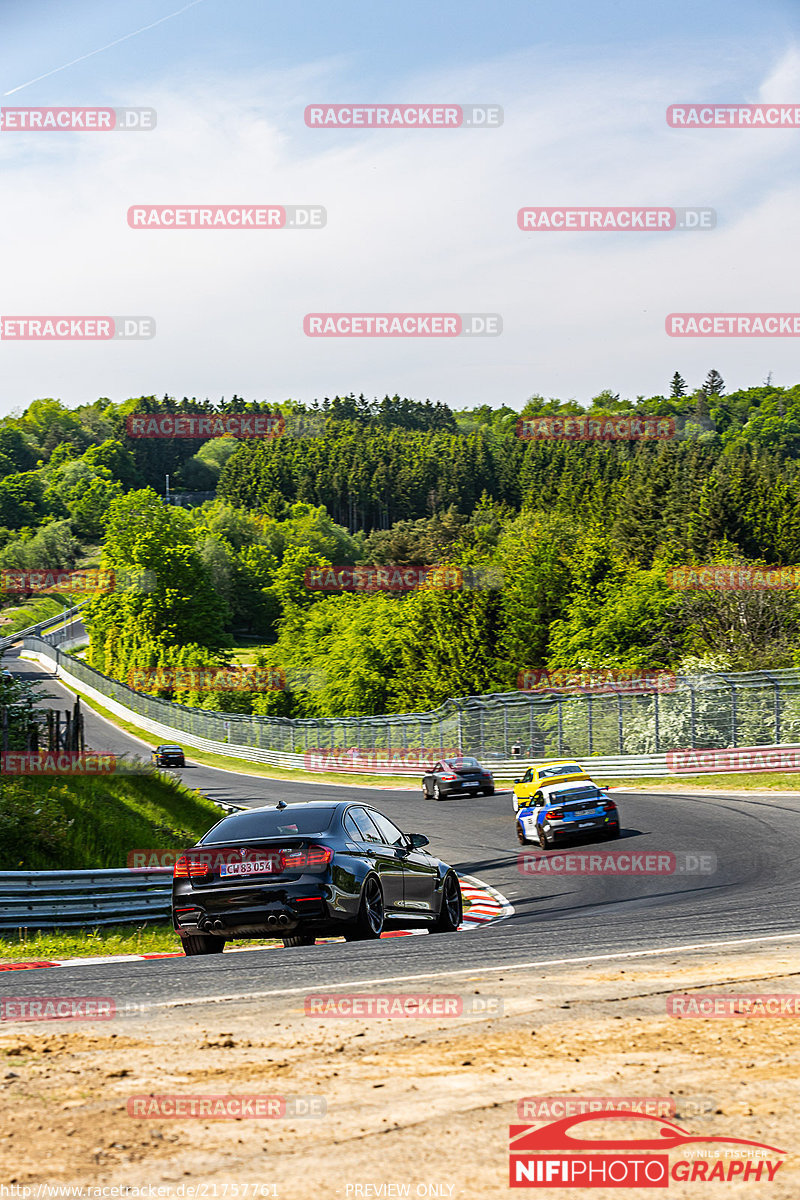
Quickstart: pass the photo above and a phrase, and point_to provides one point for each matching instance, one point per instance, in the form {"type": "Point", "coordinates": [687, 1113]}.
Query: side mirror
{"type": "Point", "coordinates": [517, 781]}
{"type": "Point", "coordinates": [417, 840]}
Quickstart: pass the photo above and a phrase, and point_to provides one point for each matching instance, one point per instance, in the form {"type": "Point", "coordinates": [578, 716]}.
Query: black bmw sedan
{"type": "Point", "coordinates": [168, 756]}
{"type": "Point", "coordinates": [308, 870]}
{"type": "Point", "coordinates": [457, 776]}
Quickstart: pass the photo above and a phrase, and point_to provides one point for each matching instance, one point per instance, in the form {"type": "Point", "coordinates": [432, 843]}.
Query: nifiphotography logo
{"type": "Point", "coordinates": [571, 1152]}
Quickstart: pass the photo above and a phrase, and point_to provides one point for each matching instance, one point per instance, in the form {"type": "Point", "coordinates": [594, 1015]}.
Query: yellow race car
{"type": "Point", "coordinates": [545, 773]}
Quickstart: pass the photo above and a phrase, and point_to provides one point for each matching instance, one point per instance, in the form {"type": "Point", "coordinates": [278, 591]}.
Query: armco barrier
{"type": "Point", "coordinates": [32, 630]}
{"type": "Point", "coordinates": [62, 899]}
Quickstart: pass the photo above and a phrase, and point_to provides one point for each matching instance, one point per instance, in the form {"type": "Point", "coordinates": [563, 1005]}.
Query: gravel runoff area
{"type": "Point", "coordinates": [420, 1106]}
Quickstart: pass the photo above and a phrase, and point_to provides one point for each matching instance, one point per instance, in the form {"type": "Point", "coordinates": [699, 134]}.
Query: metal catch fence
{"type": "Point", "coordinates": [712, 711]}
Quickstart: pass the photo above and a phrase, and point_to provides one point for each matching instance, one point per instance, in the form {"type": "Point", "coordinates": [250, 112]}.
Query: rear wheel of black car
{"type": "Point", "coordinates": [613, 833]}
{"type": "Point", "coordinates": [450, 913]}
{"type": "Point", "coordinates": [197, 943]}
{"type": "Point", "coordinates": [300, 939]}
{"type": "Point", "coordinates": [371, 913]}
{"type": "Point", "coordinates": [488, 791]}
{"type": "Point", "coordinates": [544, 841]}
{"type": "Point", "coordinates": [437, 792]}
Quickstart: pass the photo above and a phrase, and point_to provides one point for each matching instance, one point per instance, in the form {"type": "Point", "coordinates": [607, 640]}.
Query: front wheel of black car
{"type": "Point", "coordinates": [196, 943]}
{"type": "Point", "coordinates": [450, 913]}
{"type": "Point", "coordinates": [300, 939]}
{"type": "Point", "coordinates": [425, 793]}
{"type": "Point", "coordinates": [371, 913]}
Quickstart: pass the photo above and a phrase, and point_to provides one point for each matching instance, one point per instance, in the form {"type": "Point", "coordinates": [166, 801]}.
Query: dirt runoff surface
{"type": "Point", "coordinates": [416, 1107]}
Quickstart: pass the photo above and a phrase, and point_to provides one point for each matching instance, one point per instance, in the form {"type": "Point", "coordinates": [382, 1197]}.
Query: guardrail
{"type": "Point", "coordinates": [41, 627]}
{"type": "Point", "coordinates": [64, 899]}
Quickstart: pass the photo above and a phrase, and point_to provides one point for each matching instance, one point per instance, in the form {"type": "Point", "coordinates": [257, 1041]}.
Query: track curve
{"type": "Point", "coordinates": [754, 890]}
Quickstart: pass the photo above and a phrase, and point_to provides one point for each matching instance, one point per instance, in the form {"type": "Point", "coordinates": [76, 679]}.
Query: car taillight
{"type": "Point", "coordinates": [304, 860]}
{"type": "Point", "coordinates": [555, 814]}
{"type": "Point", "coordinates": [187, 867]}
{"type": "Point", "coordinates": [609, 806]}
{"type": "Point", "coordinates": [448, 778]}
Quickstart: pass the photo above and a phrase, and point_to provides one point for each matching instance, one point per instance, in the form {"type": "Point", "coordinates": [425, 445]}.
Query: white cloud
{"type": "Point", "coordinates": [416, 221]}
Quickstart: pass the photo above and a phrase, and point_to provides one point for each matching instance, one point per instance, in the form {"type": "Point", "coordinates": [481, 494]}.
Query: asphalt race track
{"type": "Point", "coordinates": [753, 892]}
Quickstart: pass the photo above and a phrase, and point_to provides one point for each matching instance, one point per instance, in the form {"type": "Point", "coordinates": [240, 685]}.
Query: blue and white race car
{"type": "Point", "coordinates": [562, 811]}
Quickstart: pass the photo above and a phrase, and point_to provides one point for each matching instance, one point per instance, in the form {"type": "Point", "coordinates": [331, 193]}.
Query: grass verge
{"type": "Point", "coordinates": [82, 822]}
{"type": "Point", "coordinates": [769, 781]}
{"type": "Point", "coordinates": [27, 945]}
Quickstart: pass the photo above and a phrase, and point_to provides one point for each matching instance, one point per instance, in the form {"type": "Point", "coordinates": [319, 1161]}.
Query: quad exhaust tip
{"type": "Point", "coordinates": [272, 919]}
{"type": "Point", "coordinates": [284, 920]}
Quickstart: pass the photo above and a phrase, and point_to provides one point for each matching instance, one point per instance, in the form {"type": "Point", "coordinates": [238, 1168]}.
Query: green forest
{"type": "Point", "coordinates": [565, 545]}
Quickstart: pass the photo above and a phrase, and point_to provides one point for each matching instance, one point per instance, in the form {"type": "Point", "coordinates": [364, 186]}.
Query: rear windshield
{"type": "Point", "coordinates": [296, 819]}
{"type": "Point", "coordinates": [562, 769]}
{"type": "Point", "coordinates": [584, 793]}
{"type": "Point", "coordinates": [172, 748]}
{"type": "Point", "coordinates": [461, 763]}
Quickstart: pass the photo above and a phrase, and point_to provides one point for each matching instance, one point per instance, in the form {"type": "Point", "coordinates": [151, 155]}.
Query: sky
{"type": "Point", "coordinates": [417, 220]}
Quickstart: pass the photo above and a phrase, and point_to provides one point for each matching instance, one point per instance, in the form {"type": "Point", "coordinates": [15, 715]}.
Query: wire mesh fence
{"type": "Point", "coordinates": [705, 712]}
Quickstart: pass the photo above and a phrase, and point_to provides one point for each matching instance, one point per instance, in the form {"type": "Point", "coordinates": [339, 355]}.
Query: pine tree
{"type": "Point", "coordinates": [714, 384]}
{"type": "Point", "coordinates": [677, 386]}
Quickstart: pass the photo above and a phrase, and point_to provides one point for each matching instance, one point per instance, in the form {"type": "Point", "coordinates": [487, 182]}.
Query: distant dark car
{"type": "Point", "coordinates": [457, 776]}
{"type": "Point", "coordinates": [308, 870]}
{"type": "Point", "coordinates": [168, 756]}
